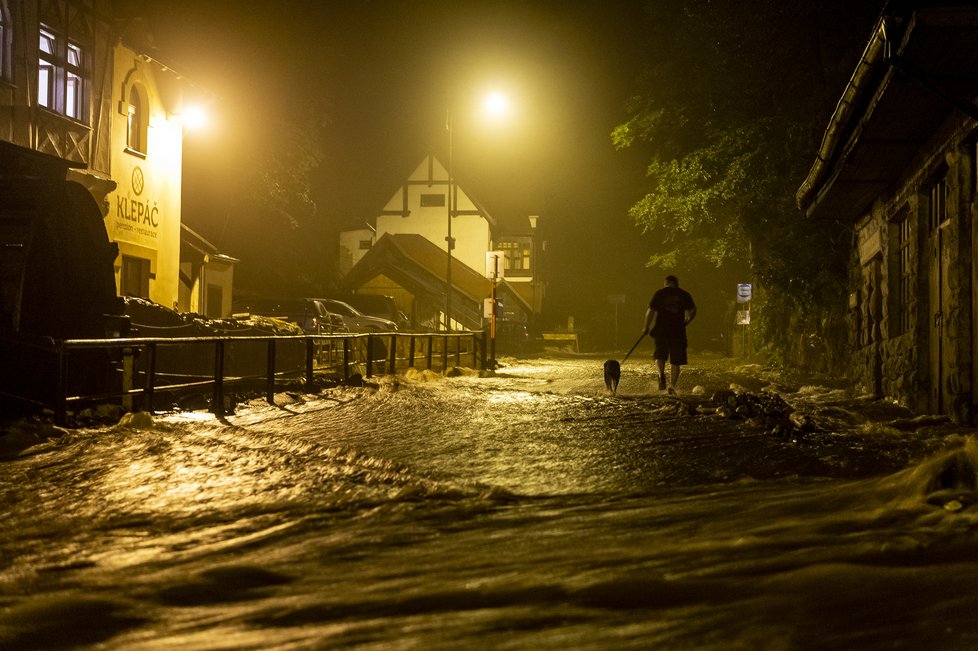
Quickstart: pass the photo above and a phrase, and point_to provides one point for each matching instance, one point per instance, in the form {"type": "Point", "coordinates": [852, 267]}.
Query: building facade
{"type": "Point", "coordinates": [898, 165]}
{"type": "Point", "coordinates": [421, 207]}
{"type": "Point", "coordinates": [83, 101]}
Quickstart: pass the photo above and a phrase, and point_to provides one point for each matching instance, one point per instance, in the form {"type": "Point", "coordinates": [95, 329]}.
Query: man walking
{"type": "Point", "coordinates": [670, 311]}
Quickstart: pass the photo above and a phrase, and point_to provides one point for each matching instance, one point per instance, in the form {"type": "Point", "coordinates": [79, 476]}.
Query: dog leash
{"type": "Point", "coordinates": [634, 347]}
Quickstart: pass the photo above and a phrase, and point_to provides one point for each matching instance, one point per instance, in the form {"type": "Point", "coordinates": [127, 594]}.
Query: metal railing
{"type": "Point", "coordinates": [131, 370]}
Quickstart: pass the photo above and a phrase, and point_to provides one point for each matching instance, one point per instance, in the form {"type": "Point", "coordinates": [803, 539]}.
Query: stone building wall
{"type": "Point", "coordinates": [891, 360]}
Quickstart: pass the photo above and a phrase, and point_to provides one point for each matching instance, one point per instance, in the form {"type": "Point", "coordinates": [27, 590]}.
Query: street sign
{"type": "Point", "coordinates": [616, 299]}
{"type": "Point", "coordinates": [494, 264]}
{"type": "Point", "coordinates": [743, 293]}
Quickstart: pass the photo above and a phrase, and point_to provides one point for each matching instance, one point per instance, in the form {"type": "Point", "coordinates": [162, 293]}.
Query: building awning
{"type": "Point", "coordinates": [915, 72]}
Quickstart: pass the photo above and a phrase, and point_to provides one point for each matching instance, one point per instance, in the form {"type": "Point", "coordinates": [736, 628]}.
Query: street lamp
{"type": "Point", "coordinates": [496, 106]}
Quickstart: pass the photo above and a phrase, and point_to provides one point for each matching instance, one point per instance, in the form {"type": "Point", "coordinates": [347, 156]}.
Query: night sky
{"type": "Point", "coordinates": [385, 74]}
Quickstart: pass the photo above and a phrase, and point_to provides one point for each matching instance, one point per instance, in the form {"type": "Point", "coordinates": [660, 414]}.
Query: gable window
{"type": "Point", "coordinates": [61, 74]}
{"type": "Point", "coordinates": [517, 256]}
{"type": "Point", "coordinates": [432, 200]}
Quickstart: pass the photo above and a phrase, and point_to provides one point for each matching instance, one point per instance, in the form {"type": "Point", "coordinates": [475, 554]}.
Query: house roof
{"type": "Point", "coordinates": [407, 254]}
{"type": "Point", "coordinates": [919, 66]}
{"type": "Point", "coordinates": [423, 255]}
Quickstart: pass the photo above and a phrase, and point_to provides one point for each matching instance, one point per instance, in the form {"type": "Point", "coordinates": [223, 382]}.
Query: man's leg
{"type": "Point", "coordinates": [661, 363]}
{"type": "Point", "coordinates": [676, 368]}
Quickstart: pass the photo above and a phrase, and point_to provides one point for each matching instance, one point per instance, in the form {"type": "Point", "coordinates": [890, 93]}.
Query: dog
{"type": "Point", "coordinates": [612, 374]}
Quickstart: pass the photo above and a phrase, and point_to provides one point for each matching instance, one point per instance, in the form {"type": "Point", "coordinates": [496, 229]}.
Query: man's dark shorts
{"type": "Point", "coordinates": [673, 350]}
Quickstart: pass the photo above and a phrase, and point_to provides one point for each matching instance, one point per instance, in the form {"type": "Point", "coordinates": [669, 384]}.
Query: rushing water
{"type": "Point", "coordinates": [531, 510]}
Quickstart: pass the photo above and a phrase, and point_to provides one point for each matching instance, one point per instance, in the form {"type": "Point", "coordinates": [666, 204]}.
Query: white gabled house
{"type": "Point", "coordinates": [420, 208]}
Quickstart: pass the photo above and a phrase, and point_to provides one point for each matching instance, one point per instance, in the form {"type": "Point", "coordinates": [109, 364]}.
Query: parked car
{"type": "Point", "coordinates": [379, 306]}
{"type": "Point", "coordinates": [311, 315]}
{"type": "Point", "coordinates": [356, 320]}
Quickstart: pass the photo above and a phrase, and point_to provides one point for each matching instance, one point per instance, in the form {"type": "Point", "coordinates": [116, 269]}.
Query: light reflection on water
{"type": "Point", "coordinates": [529, 510]}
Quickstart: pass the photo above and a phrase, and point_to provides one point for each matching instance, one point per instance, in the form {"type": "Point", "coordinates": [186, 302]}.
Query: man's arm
{"type": "Point", "coordinates": [690, 314]}
{"type": "Point", "coordinates": [649, 320]}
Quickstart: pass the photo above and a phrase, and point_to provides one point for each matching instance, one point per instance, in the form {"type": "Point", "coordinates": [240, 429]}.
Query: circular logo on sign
{"type": "Point", "coordinates": [137, 180]}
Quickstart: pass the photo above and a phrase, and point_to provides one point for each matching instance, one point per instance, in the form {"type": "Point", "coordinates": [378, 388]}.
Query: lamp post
{"type": "Point", "coordinates": [496, 106]}
{"type": "Point", "coordinates": [449, 240]}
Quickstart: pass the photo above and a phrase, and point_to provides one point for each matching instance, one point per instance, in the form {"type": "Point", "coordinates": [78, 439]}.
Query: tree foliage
{"type": "Point", "coordinates": [729, 108]}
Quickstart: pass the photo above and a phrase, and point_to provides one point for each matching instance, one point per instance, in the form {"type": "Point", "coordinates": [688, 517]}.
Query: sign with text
{"type": "Point", "coordinates": [743, 293]}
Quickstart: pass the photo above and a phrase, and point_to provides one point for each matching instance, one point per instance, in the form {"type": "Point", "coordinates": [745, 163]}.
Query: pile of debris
{"type": "Point", "coordinates": [767, 410]}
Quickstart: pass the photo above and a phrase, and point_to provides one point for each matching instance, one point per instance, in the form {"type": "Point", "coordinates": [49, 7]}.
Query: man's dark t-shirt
{"type": "Point", "coordinates": [670, 305]}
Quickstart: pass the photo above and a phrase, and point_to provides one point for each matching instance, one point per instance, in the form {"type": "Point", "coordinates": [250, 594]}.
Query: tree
{"type": "Point", "coordinates": [729, 108]}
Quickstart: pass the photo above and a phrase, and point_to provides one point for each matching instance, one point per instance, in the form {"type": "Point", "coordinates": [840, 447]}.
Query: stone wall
{"type": "Point", "coordinates": [891, 359]}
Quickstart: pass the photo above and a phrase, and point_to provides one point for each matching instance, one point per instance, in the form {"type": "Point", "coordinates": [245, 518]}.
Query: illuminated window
{"type": "Point", "coordinates": [45, 70]}
{"type": "Point", "coordinates": [136, 123]}
{"type": "Point", "coordinates": [432, 200]}
{"type": "Point", "coordinates": [61, 74]}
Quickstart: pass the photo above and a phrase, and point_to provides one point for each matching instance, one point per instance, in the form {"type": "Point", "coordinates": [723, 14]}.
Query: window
{"type": "Point", "coordinates": [365, 245]}
{"type": "Point", "coordinates": [432, 200]}
{"type": "Point", "coordinates": [517, 255]}
{"type": "Point", "coordinates": [136, 122]}
{"type": "Point", "coordinates": [134, 277]}
{"type": "Point", "coordinates": [4, 41]}
{"type": "Point", "coordinates": [901, 274]}
{"type": "Point", "coordinates": [61, 74]}
{"type": "Point", "coordinates": [938, 203]}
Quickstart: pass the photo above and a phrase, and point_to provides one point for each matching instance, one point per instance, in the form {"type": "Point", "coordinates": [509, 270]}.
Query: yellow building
{"type": "Point", "coordinates": [82, 104]}
{"type": "Point", "coordinates": [144, 209]}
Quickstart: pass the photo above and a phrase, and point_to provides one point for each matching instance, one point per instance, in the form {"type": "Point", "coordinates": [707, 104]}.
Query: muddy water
{"type": "Point", "coordinates": [527, 510]}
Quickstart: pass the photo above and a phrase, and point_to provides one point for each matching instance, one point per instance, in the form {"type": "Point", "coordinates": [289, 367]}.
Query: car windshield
{"type": "Point", "coordinates": [340, 307]}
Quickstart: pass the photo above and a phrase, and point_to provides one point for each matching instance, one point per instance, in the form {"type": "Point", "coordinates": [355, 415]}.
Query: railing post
{"type": "Point", "coordinates": [346, 358]}
{"type": "Point", "coordinates": [475, 347]}
{"type": "Point", "coordinates": [444, 352]}
{"type": "Point", "coordinates": [392, 357]}
{"type": "Point", "coordinates": [483, 348]}
{"type": "Point", "coordinates": [310, 377]}
{"type": "Point", "coordinates": [61, 387]}
{"type": "Point", "coordinates": [218, 404]}
{"type": "Point", "coordinates": [270, 367]}
{"type": "Point", "coordinates": [410, 361]}
{"type": "Point", "coordinates": [431, 339]}
{"type": "Point", "coordinates": [458, 351]}
{"type": "Point", "coordinates": [128, 371]}
{"type": "Point", "coordinates": [370, 357]}
{"type": "Point", "coordinates": [150, 390]}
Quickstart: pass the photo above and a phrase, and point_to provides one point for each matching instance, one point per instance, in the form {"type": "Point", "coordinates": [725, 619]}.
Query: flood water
{"type": "Point", "coordinates": [530, 510]}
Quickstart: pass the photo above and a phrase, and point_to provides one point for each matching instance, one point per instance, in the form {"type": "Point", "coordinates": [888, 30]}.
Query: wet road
{"type": "Point", "coordinates": [527, 510]}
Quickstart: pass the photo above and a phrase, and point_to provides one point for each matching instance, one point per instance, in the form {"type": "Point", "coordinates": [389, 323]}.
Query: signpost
{"type": "Point", "coordinates": [744, 294]}
{"type": "Point", "coordinates": [494, 271]}
{"type": "Point", "coordinates": [616, 300]}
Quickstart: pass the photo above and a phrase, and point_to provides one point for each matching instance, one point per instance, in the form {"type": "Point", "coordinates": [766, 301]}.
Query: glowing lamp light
{"type": "Point", "coordinates": [497, 105]}
{"type": "Point", "coordinates": [194, 117]}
